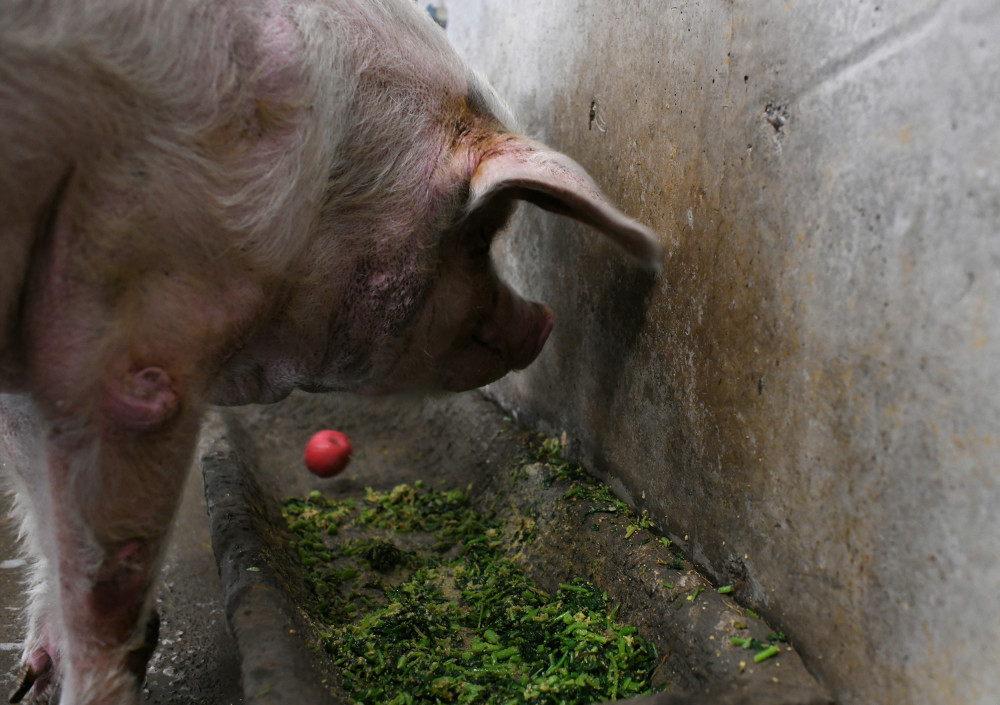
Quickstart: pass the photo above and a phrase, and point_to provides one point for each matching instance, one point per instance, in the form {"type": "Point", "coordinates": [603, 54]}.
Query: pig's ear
{"type": "Point", "coordinates": [526, 170]}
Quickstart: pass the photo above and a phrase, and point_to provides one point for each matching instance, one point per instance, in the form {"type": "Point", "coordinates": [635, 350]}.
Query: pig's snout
{"type": "Point", "coordinates": [468, 339]}
{"type": "Point", "coordinates": [518, 330]}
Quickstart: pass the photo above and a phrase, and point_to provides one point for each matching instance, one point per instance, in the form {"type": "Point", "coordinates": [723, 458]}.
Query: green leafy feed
{"type": "Point", "coordinates": [418, 605]}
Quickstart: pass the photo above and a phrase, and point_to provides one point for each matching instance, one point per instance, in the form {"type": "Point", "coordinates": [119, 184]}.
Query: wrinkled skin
{"type": "Point", "coordinates": [219, 203]}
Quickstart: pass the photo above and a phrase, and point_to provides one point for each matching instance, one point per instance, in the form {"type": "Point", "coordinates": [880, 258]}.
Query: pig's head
{"type": "Point", "coordinates": [396, 290]}
{"type": "Point", "coordinates": [472, 328]}
{"type": "Point", "coordinates": [426, 309]}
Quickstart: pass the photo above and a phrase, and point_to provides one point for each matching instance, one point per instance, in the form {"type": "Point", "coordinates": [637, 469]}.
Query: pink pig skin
{"type": "Point", "coordinates": [220, 202]}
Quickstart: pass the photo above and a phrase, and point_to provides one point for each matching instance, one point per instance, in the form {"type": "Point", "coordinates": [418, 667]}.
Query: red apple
{"type": "Point", "coordinates": [328, 453]}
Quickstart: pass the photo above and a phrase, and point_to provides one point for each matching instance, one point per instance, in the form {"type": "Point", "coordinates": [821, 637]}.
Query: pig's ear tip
{"type": "Point", "coordinates": [652, 253]}
{"type": "Point", "coordinates": [653, 266]}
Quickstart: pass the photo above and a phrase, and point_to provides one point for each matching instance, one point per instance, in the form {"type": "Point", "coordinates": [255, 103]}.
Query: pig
{"type": "Point", "coordinates": [217, 203]}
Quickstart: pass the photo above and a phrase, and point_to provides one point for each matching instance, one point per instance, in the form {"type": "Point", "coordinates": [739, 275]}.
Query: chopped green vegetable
{"type": "Point", "coordinates": [766, 654]}
{"type": "Point", "coordinates": [456, 622]}
{"type": "Point", "coordinates": [764, 650]}
{"type": "Point", "coordinates": [745, 643]}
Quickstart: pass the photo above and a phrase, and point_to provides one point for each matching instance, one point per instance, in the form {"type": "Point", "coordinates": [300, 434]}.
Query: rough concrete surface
{"type": "Point", "coordinates": [808, 394]}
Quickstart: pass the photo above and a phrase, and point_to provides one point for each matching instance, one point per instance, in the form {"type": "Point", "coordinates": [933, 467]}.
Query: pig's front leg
{"type": "Point", "coordinates": [97, 512]}
{"type": "Point", "coordinates": [23, 455]}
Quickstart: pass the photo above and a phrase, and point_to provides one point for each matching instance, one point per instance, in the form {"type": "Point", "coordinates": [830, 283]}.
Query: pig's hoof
{"type": "Point", "coordinates": [138, 658]}
{"type": "Point", "coordinates": [37, 678]}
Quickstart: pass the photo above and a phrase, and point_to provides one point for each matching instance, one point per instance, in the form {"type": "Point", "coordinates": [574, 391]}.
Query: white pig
{"type": "Point", "coordinates": [216, 202]}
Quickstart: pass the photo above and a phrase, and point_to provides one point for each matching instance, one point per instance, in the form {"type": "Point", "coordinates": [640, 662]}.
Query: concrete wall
{"type": "Point", "coordinates": [809, 394]}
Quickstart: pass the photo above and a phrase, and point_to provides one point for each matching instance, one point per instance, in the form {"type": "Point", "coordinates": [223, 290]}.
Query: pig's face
{"type": "Point", "coordinates": [467, 327]}
{"type": "Point", "coordinates": [419, 306]}
{"type": "Point", "coordinates": [395, 290]}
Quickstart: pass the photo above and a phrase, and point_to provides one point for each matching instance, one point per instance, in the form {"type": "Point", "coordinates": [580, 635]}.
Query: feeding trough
{"type": "Point", "coordinates": [319, 590]}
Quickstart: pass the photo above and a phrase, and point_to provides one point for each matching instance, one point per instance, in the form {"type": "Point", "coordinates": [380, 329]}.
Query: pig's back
{"type": "Point", "coordinates": [112, 107]}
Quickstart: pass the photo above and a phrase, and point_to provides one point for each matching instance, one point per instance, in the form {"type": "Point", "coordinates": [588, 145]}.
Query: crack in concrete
{"type": "Point", "coordinates": [873, 51]}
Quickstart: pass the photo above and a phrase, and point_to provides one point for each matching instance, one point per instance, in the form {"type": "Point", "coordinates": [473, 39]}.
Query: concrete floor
{"type": "Point", "coordinates": [196, 661]}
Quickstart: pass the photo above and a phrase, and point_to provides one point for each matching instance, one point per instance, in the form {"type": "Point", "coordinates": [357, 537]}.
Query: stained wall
{"type": "Point", "coordinates": [807, 399]}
